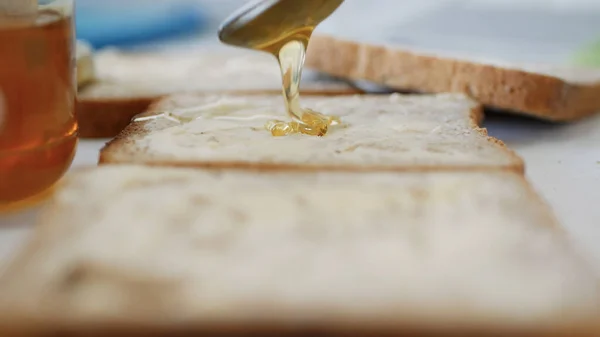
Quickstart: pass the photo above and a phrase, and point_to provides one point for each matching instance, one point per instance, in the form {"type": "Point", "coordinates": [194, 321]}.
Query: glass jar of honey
{"type": "Point", "coordinates": [38, 128]}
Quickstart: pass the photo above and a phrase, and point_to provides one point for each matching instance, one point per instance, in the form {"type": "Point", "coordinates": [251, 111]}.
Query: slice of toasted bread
{"type": "Point", "coordinates": [127, 83]}
{"type": "Point", "coordinates": [547, 92]}
{"type": "Point", "coordinates": [165, 251]}
{"type": "Point", "coordinates": [379, 132]}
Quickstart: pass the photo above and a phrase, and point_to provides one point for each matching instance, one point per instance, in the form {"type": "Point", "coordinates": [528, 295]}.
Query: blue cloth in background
{"type": "Point", "coordinates": [133, 24]}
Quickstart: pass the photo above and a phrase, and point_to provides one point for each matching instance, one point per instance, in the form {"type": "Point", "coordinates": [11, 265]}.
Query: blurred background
{"type": "Point", "coordinates": [553, 31]}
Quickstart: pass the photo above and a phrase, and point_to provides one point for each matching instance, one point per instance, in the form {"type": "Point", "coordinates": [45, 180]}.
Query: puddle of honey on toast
{"type": "Point", "coordinates": [306, 121]}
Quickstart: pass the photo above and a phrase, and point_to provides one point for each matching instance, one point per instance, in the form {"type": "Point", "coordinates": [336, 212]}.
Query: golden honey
{"type": "Point", "coordinates": [284, 29]}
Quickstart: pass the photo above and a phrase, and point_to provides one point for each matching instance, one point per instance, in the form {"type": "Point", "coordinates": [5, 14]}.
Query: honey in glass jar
{"type": "Point", "coordinates": [38, 128]}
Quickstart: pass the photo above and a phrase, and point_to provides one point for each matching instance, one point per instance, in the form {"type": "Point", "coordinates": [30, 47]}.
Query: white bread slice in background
{"type": "Point", "coordinates": [171, 250]}
{"type": "Point", "coordinates": [547, 92]}
{"type": "Point", "coordinates": [127, 82]}
{"type": "Point", "coordinates": [86, 70]}
{"type": "Point", "coordinates": [393, 133]}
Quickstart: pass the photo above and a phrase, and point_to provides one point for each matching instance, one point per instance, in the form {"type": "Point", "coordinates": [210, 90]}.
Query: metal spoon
{"type": "Point", "coordinates": [264, 24]}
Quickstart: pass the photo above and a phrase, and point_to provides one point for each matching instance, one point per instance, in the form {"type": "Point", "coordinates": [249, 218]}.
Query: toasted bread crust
{"type": "Point", "coordinates": [105, 118]}
{"type": "Point", "coordinates": [519, 91]}
{"type": "Point", "coordinates": [121, 150]}
{"type": "Point", "coordinates": [138, 330]}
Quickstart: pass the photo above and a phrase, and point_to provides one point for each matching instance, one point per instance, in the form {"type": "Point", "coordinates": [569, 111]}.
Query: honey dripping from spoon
{"type": "Point", "coordinates": [283, 28]}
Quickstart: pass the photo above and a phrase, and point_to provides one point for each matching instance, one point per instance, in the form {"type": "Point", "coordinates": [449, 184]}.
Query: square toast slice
{"type": "Point", "coordinates": [135, 249]}
{"type": "Point", "coordinates": [550, 92]}
{"type": "Point", "coordinates": [378, 132]}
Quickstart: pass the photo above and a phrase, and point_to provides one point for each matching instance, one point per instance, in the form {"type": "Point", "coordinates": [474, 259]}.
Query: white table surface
{"type": "Point", "coordinates": [563, 164]}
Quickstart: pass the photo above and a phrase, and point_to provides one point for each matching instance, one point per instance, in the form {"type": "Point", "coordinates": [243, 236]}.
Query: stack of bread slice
{"type": "Point", "coordinates": [125, 83]}
{"type": "Point", "coordinates": [405, 219]}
